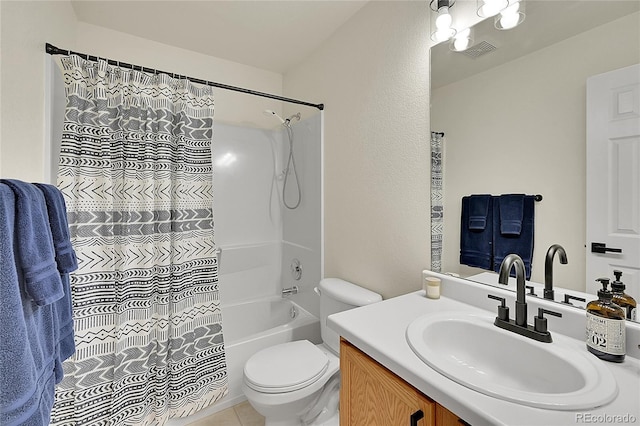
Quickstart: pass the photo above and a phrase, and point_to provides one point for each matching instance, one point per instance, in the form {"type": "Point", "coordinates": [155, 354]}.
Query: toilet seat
{"type": "Point", "coordinates": [286, 367]}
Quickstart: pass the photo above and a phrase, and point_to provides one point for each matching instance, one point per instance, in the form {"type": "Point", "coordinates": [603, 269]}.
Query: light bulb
{"type": "Point", "coordinates": [491, 8]}
{"type": "Point", "coordinates": [512, 9]}
{"type": "Point", "coordinates": [461, 44]}
{"type": "Point", "coordinates": [464, 33]}
{"type": "Point", "coordinates": [462, 40]}
{"type": "Point", "coordinates": [444, 19]}
{"type": "Point", "coordinates": [508, 21]}
{"type": "Point", "coordinates": [509, 17]}
{"type": "Point", "coordinates": [443, 35]}
{"type": "Point", "coordinates": [442, 26]}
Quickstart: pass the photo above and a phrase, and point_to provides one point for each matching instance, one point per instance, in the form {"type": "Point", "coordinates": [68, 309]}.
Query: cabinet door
{"type": "Point", "coordinates": [371, 395]}
{"type": "Point", "coordinates": [445, 417]}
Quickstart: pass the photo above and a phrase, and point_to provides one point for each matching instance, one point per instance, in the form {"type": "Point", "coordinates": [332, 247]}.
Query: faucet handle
{"type": "Point", "coordinates": [503, 310]}
{"type": "Point", "coordinates": [531, 290]}
{"type": "Point", "coordinates": [540, 322]}
{"type": "Point", "coordinates": [568, 297]}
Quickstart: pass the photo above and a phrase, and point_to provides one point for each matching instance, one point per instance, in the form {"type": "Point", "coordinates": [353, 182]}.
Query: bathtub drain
{"type": "Point", "coordinates": [293, 312]}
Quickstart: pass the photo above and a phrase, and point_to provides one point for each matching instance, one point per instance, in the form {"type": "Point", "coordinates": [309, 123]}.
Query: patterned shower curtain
{"type": "Point", "coordinates": [135, 170]}
{"type": "Point", "coordinates": [437, 212]}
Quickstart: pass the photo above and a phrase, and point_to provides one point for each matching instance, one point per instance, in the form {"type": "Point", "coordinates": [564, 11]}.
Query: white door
{"type": "Point", "coordinates": [613, 177]}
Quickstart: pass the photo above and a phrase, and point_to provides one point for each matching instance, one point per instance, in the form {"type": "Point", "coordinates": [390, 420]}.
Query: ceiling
{"type": "Point", "coordinates": [277, 35]}
{"type": "Point", "coordinates": [546, 23]}
{"type": "Point", "coordinates": [267, 34]}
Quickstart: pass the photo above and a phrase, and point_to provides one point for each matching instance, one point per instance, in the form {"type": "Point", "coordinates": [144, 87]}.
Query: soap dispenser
{"type": "Point", "coordinates": [606, 326]}
{"type": "Point", "coordinates": [621, 298]}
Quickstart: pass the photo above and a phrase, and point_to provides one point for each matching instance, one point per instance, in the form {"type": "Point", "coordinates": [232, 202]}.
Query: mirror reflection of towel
{"type": "Point", "coordinates": [520, 243]}
{"type": "Point", "coordinates": [476, 231]}
{"type": "Point", "coordinates": [511, 213]}
{"type": "Point", "coordinates": [479, 211]}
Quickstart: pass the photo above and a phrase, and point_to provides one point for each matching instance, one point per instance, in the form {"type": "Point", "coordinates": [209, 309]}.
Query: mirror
{"type": "Point", "coordinates": [514, 121]}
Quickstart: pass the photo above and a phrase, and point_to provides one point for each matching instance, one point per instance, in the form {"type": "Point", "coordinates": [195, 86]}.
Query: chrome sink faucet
{"type": "Point", "coordinates": [548, 268]}
{"type": "Point", "coordinates": [537, 332]}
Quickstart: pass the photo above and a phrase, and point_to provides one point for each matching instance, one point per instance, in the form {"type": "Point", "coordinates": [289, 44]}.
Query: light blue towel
{"type": "Point", "coordinates": [36, 255]}
{"type": "Point", "coordinates": [27, 352]}
{"type": "Point", "coordinates": [57, 214]}
{"type": "Point", "coordinates": [65, 336]}
{"type": "Point", "coordinates": [67, 262]}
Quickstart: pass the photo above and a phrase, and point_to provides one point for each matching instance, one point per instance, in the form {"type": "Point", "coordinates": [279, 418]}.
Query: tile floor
{"type": "Point", "coordinates": [242, 414]}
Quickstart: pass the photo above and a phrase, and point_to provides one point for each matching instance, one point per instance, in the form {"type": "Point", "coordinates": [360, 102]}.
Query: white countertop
{"type": "Point", "coordinates": [379, 331]}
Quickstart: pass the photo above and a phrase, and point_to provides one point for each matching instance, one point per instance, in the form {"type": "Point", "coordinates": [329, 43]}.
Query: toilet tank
{"type": "Point", "coordinates": [337, 295]}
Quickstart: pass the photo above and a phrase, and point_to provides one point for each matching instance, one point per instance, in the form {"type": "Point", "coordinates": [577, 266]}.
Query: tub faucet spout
{"type": "Point", "coordinates": [289, 291]}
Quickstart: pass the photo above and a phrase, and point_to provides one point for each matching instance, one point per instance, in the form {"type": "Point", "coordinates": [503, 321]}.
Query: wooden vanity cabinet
{"type": "Point", "coordinates": [371, 395]}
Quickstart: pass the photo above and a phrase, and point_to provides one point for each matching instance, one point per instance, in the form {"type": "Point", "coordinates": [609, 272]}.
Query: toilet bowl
{"type": "Point", "coordinates": [297, 383]}
{"type": "Point", "coordinates": [295, 377]}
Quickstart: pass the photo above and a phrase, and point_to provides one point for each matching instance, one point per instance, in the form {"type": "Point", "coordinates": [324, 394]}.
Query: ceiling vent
{"type": "Point", "coordinates": [479, 49]}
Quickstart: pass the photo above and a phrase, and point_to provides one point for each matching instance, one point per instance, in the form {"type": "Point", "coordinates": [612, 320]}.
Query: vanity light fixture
{"type": "Point", "coordinates": [442, 25]}
{"type": "Point", "coordinates": [512, 16]}
{"type": "Point", "coordinates": [462, 40]}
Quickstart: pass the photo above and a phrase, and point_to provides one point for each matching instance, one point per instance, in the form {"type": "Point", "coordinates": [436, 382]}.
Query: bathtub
{"type": "Point", "coordinates": [252, 325]}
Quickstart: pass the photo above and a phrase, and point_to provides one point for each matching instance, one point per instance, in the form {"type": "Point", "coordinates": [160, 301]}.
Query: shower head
{"type": "Point", "coordinates": [296, 116]}
{"type": "Point", "coordinates": [273, 113]}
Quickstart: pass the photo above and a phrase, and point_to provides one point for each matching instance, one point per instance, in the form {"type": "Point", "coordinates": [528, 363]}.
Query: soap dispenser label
{"type": "Point", "coordinates": [606, 335]}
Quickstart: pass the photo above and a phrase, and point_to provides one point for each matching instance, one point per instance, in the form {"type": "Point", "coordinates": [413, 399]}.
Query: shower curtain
{"type": "Point", "coordinates": [135, 169]}
{"type": "Point", "coordinates": [437, 212]}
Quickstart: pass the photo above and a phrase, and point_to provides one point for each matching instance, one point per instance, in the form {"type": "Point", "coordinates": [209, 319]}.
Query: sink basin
{"type": "Point", "coordinates": [470, 350]}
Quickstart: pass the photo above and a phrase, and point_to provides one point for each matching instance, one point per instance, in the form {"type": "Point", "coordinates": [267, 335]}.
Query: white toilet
{"type": "Point", "coordinates": [297, 383]}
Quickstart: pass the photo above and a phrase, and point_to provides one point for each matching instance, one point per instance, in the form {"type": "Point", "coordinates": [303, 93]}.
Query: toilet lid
{"type": "Point", "coordinates": [286, 367]}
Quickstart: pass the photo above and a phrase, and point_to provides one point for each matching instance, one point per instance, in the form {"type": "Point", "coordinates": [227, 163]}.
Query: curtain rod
{"type": "Point", "coordinates": [53, 50]}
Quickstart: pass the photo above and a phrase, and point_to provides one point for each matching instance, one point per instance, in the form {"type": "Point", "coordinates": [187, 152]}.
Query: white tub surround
{"type": "Point", "coordinates": [379, 330]}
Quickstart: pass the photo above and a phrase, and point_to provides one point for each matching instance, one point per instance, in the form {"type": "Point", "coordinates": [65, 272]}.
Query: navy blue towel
{"type": "Point", "coordinates": [511, 213]}
{"type": "Point", "coordinates": [478, 211]}
{"type": "Point", "coordinates": [67, 262]}
{"type": "Point", "coordinates": [476, 231]}
{"type": "Point", "coordinates": [27, 352]}
{"type": "Point", "coordinates": [35, 244]}
{"type": "Point", "coordinates": [520, 244]}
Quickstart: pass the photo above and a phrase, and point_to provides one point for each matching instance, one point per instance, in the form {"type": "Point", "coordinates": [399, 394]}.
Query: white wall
{"type": "Point", "coordinates": [231, 107]}
{"type": "Point", "coordinates": [373, 77]}
{"type": "Point", "coordinates": [25, 28]}
{"type": "Point", "coordinates": [520, 128]}
{"type": "Point", "coordinates": [28, 25]}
